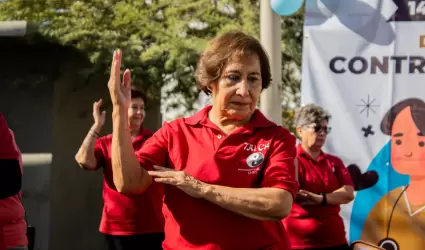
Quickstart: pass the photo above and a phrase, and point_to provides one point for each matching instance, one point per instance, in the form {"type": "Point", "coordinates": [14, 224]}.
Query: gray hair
{"type": "Point", "coordinates": [309, 114]}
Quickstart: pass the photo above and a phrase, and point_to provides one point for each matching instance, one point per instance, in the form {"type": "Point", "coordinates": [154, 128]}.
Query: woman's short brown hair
{"type": "Point", "coordinates": [136, 93]}
{"type": "Point", "coordinates": [219, 52]}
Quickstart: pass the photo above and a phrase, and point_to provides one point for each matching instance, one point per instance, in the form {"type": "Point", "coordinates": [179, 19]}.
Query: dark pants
{"type": "Point", "coordinates": [151, 241]}
{"type": "Point", "coordinates": [342, 247]}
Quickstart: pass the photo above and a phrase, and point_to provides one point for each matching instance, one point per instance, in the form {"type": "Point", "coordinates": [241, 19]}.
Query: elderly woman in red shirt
{"type": "Point", "coordinates": [325, 184]}
{"type": "Point", "coordinates": [12, 214]}
{"type": "Point", "coordinates": [229, 171]}
{"type": "Point", "coordinates": [127, 220]}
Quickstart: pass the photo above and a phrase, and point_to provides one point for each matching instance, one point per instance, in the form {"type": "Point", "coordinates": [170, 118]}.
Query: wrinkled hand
{"type": "Point", "coordinates": [306, 198]}
{"type": "Point", "coordinates": [179, 179]}
{"type": "Point", "coordinates": [99, 117]}
{"type": "Point", "coordinates": [120, 91]}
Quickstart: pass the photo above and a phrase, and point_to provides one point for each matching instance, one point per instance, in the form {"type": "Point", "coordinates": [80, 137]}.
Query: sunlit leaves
{"type": "Point", "coordinates": [161, 39]}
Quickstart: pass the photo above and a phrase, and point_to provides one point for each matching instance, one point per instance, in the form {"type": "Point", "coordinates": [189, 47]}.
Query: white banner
{"type": "Point", "coordinates": [361, 59]}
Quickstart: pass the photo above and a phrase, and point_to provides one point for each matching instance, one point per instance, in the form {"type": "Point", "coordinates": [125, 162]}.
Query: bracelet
{"type": "Point", "coordinates": [324, 201]}
{"type": "Point", "coordinates": [94, 133]}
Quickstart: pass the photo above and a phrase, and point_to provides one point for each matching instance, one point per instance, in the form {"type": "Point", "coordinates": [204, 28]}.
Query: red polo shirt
{"type": "Point", "coordinates": [318, 226]}
{"type": "Point", "coordinates": [259, 154]}
{"type": "Point", "coordinates": [128, 214]}
{"type": "Point", "coordinates": [12, 221]}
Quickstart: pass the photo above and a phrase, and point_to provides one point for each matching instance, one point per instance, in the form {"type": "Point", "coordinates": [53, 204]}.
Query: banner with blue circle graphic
{"type": "Point", "coordinates": [364, 61]}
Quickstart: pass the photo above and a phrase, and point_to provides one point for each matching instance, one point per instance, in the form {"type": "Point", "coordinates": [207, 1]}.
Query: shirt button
{"type": "Point", "coordinates": [219, 136]}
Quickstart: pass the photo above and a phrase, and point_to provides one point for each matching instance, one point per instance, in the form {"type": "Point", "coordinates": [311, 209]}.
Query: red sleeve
{"type": "Point", "coordinates": [7, 148]}
{"type": "Point", "coordinates": [155, 149]}
{"type": "Point", "coordinates": [342, 173]}
{"type": "Point", "coordinates": [100, 151]}
{"type": "Point", "coordinates": [17, 149]}
{"type": "Point", "coordinates": [280, 171]}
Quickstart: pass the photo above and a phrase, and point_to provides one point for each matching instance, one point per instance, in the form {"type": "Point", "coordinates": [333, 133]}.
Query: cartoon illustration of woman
{"type": "Point", "coordinates": [397, 221]}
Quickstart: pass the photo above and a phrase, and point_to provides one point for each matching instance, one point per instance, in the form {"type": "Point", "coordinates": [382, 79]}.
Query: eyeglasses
{"type": "Point", "coordinates": [319, 128]}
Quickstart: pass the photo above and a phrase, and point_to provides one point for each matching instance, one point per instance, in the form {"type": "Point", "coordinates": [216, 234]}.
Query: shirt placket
{"type": "Point", "coordinates": [217, 138]}
{"type": "Point", "coordinates": [324, 171]}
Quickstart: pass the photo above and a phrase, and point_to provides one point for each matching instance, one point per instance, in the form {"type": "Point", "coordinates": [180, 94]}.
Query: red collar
{"type": "Point", "coordinates": [302, 153]}
{"type": "Point", "coordinates": [143, 134]}
{"type": "Point", "coordinates": [258, 120]}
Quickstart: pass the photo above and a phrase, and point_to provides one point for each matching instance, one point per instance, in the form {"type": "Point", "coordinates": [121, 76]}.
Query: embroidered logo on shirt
{"type": "Point", "coordinates": [259, 147]}
{"type": "Point", "coordinates": [255, 159]}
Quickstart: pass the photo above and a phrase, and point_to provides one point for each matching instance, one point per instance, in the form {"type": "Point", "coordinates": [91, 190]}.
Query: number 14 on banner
{"type": "Point", "coordinates": [416, 8]}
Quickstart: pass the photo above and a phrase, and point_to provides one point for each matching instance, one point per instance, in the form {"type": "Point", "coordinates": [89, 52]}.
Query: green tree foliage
{"type": "Point", "coordinates": [292, 38]}
{"type": "Point", "coordinates": [161, 39]}
{"type": "Point", "coordinates": [288, 119]}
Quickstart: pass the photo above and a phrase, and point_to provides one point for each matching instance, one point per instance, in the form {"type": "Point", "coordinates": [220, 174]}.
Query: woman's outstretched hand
{"type": "Point", "coordinates": [120, 91]}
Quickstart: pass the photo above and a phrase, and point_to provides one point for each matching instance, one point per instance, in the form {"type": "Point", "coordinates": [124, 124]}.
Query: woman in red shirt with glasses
{"type": "Point", "coordinates": [325, 184]}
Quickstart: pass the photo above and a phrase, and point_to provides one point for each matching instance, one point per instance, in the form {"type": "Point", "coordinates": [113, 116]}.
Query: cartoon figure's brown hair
{"type": "Point", "coordinates": [417, 109]}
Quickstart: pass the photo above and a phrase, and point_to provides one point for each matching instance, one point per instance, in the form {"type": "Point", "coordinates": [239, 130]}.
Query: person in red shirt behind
{"type": "Point", "coordinates": [230, 172]}
{"type": "Point", "coordinates": [127, 220]}
{"type": "Point", "coordinates": [12, 213]}
{"type": "Point", "coordinates": [325, 184]}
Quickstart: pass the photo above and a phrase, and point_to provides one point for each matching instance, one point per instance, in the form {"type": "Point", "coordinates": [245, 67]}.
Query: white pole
{"type": "Point", "coordinates": [13, 28]}
{"type": "Point", "coordinates": [270, 34]}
